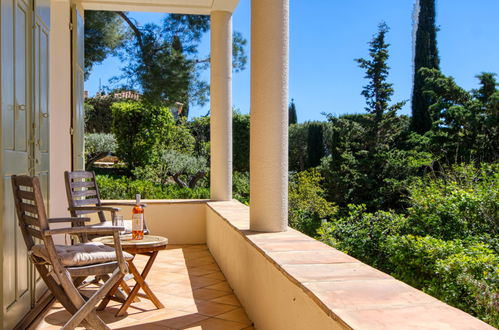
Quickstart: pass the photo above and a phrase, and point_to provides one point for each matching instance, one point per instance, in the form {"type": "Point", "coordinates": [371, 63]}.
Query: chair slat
{"type": "Point", "coordinates": [30, 220]}
{"type": "Point", "coordinates": [96, 269]}
{"type": "Point", "coordinates": [34, 232]}
{"type": "Point", "coordinates": [29, 208]}
{"type": "Point", "coordinates": [78, 213]}
{"type": "Point", "coordinates": [84, 193]}
{"type": "Point", "coordinates": [29, 195]}
{"type": "Point", "coordinates": [81, 175]}
{"type": "Point", "coordinates": [24, 181]}
{"type": "Point", "coordinates": [81, 202]}
{"type": "Point", "coordinates": [80, 184]}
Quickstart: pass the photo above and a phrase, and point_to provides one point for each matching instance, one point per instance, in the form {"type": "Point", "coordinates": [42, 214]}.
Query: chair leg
{"type": "Point", "coordinates": [59, 293]}
{"type": "Point", "coordinates": [89, 306]}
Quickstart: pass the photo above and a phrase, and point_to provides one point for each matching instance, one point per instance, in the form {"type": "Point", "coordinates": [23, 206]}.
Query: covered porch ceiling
{"type": "Point", "coordinates": [192, 7]}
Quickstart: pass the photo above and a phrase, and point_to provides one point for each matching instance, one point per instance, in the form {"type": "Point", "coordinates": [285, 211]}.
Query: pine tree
{"type": "Point", "coordinates": [488, 86]}
{"type": "Point", "coordinates": [293, 118]}
{"type": "Point", "coordinates": [377, 92]}
{"type": "Point", "coordinates": [425, 56]}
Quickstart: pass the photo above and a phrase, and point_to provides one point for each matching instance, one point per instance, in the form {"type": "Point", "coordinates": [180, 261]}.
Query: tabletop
{"type": "Point", "coordinates": [149, 241]}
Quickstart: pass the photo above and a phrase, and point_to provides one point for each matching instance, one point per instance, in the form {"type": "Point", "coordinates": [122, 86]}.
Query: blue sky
{"type": "Point", "coordinates": [327, 35]}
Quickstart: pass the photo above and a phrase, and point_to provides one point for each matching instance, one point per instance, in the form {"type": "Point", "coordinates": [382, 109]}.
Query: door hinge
{"type": "Point", "coordinates": [71, 131]}
{"type": "Point", "coordinates": [70, 26]}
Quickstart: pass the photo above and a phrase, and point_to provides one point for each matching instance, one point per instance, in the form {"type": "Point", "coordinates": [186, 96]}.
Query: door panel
{"type": "Point", "coordinates": [16, 268]}
{"type": "Point", "coordinates": [78, 120]}
{"type": "Point", "coordinates": [25, 148]}
{"type": "Point", "coordinates": [7, 42]}
{"type": "Point", "coordinates": [21, 81]}
{"type": "Point", "coordinates": [41, 119]}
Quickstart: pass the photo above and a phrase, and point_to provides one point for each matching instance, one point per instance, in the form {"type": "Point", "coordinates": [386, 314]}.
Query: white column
{"type": "Point", "coordinates": [221, 106]}
{"type": "Point", "coordinates": [60, 106]}
{"type": "Point", "coordinates": [269, 115]}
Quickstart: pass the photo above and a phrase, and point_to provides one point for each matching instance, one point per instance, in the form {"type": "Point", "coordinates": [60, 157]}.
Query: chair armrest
{"type": "Point", "coordinates": [84, 230]}
{"type": "Point", "coordinates": [69, 219]}
{"type": "Point", "coordinates": [113, 230]}
{"type": "Point", "coordinates": [122, 204]}
{"type": "Point", "coordinates": [94, 208]}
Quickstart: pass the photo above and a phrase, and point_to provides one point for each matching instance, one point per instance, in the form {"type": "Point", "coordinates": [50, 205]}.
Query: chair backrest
{"type": "Point", "coordinates": [82, 190]}
{"type": "Point", "coordinates": [29, 207]}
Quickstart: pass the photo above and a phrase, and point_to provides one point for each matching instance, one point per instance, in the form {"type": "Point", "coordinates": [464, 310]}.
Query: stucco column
{"type": "Point", "coordinates": [269, 115]}
{"type": "Point", "coordinates": [221, 106]}
{"type": "Point", "coordinates": [60, 107]}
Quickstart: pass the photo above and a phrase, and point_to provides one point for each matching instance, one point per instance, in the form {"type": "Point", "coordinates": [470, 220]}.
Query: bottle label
{"type": "Point", "coordinates": [137, 221]}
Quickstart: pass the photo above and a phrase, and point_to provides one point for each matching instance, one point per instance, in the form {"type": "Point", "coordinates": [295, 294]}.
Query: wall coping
{"type": "Point", "coordinates": [347, 290]}
{"type": "Point", "coordinates": [160, 201]}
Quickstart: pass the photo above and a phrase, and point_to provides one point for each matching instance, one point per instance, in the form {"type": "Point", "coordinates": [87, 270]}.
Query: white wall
{"type": "Point", "coordinates": [60, 105]}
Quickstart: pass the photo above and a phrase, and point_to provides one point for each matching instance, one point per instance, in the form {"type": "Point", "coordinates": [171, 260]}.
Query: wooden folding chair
{"type": "Point", "coordinates": [61, 266]}
{"type": "Point", "coordinates": [84, 198]}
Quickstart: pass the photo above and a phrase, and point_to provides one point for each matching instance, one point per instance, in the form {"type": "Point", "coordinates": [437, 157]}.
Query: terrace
{"type": "Point", "coordinates": [228, 266]}
{"type": "Point", "coordinates": [219, 274]}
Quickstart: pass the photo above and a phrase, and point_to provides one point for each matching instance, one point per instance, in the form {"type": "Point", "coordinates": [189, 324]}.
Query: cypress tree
{"type": "Point", "coordinates": [425, 56]}
{"type": "Point", "coordinates": [293, 118]}
{"type": "Point", "coordinates": [315, 144]}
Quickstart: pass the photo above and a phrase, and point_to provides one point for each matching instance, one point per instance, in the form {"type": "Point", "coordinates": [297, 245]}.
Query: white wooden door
{"type": "Point", "coordinates": [40, 111]}
{"type": "Point", "coordinates": [16, 114]}
{"type": "Point", "coordinates": [78, 118]}
{"type": "Point", "coordinates": [25, 145]}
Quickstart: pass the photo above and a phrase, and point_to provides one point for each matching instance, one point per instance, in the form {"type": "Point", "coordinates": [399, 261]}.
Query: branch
{"type": "Point", "coordinates": [93, 158]}
{"type": "Point", "coordinates": [135, 29]}
{"type": "Point", "coordinates": [206, 60]}
{"type": "Point", "coordinates": [196, 178]}
{"type": "Point", "coordinates": [176, 178]}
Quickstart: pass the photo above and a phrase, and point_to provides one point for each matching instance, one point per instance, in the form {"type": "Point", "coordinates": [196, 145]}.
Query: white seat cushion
{"type": "Point", "coordinates": [80, 254]}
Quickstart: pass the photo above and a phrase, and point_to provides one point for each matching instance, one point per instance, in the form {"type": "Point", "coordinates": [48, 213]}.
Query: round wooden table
{"type": "Point", "coordinates": [150, 246]}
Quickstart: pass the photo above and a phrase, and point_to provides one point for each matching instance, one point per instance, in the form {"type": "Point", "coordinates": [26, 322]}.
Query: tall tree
{"type": "Point", "coordinates": [104, 33]}
{"type": "Point", "coordinates": [425, 56]}
{"type": "Point", "coordinates": [378, 92]}
{"type": "Point", "coordinates": [488, 86]}
{"type": "Point", "coordinates": [163, 60]}
{"type": "Point", "coordinates": [293, 118]}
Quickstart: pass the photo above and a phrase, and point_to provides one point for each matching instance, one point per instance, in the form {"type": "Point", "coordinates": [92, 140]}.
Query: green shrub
{"type": "Point", "coordinates": [240, 134]}
{"type": "Point", "coordinates": [98, 145]}
{"type": "Point", "coordinates": [460, 202]}
{"type": "Point", "coordinates": [184, 169]}
{"type": "Point", "coordinates": [362, 234]}
{"type": "Point", "coordinates": [307, 205]}
{"type": "Point", "coordinates": [141, 131]}
{"type": "Point", "coordinates": [125, 188]}
{"type": "Point", "coordinates": [240, 187]}
{"type": "Point", "coordinates": [462, 273]}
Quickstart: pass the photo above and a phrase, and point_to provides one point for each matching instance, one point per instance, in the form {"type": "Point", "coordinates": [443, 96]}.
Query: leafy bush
{"type": "Point", "coordinates": [307, 205]}
{"type": "Point", "coordinates": [240, 135]}
{"type": "Point", "coordinates": [370, 169]}
{"type": "Point", "coordinates": [98, 114]}
{"type": "Point", "coordinates": [142, 130]}
{"type": "Point", "coordinates": [200, 130]}
{"type": "Point", "coordinates": [463, 273]}
{"type": "Point", "coordinates": [240, 186]}
{"type": "Point", "coordinates": [362, 234]}
{"type": "Point", "coordinates": [306, 145]}
{"type": "Point", "coordinates": [460, 202]}
{"type": "Point", "coordinates": [184, 169]}
{"type": "Point", "coordinates": [98, 145]}
{"type": "Point", "coordinates": [125, 188]}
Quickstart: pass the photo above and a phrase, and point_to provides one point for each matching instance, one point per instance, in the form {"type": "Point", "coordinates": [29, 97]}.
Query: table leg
{"type": "Point", "coordinates": [141, 283]}
{"type": "Point", "coordinates": [109, 295]}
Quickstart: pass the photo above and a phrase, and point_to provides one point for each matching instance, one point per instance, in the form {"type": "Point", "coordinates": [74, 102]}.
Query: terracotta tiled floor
{"type": "Point", "coordinates": [188, 282]}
